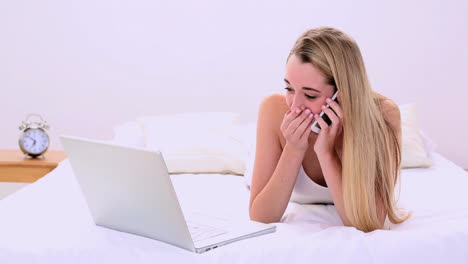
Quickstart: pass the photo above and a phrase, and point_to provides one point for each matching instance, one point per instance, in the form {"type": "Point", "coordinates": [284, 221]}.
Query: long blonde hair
{"type": "Point", "coordinates": [371, 150]}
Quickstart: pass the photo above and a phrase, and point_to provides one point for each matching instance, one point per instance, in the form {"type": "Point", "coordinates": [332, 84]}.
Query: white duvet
{"type": "Point", "coordinates": [48, 222]}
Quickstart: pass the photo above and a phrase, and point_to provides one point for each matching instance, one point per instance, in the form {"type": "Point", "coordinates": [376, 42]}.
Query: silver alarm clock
{"type": "Point", "coordinates": [34, 140]}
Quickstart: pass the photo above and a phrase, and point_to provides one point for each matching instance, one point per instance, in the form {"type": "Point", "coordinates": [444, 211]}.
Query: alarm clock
{"type": "Point", "coordinates": [33, 140]}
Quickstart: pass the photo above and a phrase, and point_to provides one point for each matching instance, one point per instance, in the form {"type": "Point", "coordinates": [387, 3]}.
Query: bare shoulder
{"type": "Point", "coordinates": [275, 102]}
{"type": "Point", "coordinates": [272, 108]}
{"type": "Point", "coordinates": [389, 108]}
{"type": "Point", "coordinates": [391, 111]}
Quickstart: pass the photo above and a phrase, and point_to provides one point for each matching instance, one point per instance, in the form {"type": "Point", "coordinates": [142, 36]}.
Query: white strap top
{"type": "Point", "coordinates": [306, 191]}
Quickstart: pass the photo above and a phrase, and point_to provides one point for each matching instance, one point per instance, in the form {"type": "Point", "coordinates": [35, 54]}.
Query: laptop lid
{"type": "Point", "coordinates": [128, 189]}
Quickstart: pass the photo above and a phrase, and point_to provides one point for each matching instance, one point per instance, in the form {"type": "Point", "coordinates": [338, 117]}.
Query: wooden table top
{"type": "Point", "coordinates": [15, 157]}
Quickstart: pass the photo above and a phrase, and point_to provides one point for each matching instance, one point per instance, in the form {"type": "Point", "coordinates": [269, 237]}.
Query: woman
{"type": "Point", "coordinates": [353, 163]}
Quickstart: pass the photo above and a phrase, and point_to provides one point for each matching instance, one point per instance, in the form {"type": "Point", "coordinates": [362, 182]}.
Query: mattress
{"type": "Point", "coordinates": [49, 222]}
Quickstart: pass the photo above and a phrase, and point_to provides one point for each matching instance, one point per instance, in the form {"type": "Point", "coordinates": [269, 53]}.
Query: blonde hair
{"type": "Point", "coordinates": [371, 150]}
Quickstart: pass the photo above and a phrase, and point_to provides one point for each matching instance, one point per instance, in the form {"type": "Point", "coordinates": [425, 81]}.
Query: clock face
{"type": "Point", "coordinates": [35, 141]}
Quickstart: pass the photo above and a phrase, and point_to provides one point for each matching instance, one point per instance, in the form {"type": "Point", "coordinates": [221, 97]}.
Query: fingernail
{"type": "Point", "coordinates": [298, 110]}
{"type": "Point", "coordinates": [328, 100]}
{"type": "Point", "coordinates": [307, 111]}
{"type": "Point", "coordinates": [316, 116]}
{"type": "Point", "coordinates": [323, 107]}
{"type": "Point", "coordinates": [311, 116]}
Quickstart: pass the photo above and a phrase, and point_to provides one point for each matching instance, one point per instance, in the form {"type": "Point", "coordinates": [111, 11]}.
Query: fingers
{"type": "Point", "coordinates": [293, 120]}
{"type": "Point", "coordinates": [305, 126]}
{"type": "Point", "coordinates": [288, 117]}
{"type": "Point", "coordinates": [296, 123]}
{"type": "Point", "coordinates": [331, 115]}
{"type": "Point", "coordinates": [336, 108]}
{"type": "Point", "coordinates": [321, 122]}
{"type": "Point", "coordinates": [336, 121]}
{"type": "Point", "coordinates": [302, 129]}
{"type": "Point", "coordinates": [292, 114]}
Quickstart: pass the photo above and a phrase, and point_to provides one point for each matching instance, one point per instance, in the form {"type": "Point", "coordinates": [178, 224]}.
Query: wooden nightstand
{"type": "Point", "coordinates": [14, 167]}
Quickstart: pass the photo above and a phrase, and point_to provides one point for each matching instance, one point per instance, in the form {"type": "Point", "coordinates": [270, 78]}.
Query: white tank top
{"type": "Point", "coordinates": [306, 191]}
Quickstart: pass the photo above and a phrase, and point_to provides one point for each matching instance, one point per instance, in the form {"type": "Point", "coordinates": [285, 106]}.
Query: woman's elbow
{"type": "Point", "coordinates": [257, 217]}
{"type": "Point", "coordinates": [264, 220]}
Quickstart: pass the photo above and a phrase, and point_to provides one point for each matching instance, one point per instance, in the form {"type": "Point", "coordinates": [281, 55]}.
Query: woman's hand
{"type": "Point", "coordinates": [296, 129]}
{"type": "Point", "coordinates": [326, 140]}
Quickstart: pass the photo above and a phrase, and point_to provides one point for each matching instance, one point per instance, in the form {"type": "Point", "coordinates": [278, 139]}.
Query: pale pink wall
{"type": "Point", "coordinates": [90, 65]}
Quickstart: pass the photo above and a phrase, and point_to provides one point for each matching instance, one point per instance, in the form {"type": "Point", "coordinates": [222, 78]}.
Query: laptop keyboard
{"type": "Point", "coordinates": [201, 232]}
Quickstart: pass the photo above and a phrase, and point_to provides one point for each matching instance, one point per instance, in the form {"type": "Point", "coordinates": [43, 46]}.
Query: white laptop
{"type": "Point", "coordinates": [129, 189]}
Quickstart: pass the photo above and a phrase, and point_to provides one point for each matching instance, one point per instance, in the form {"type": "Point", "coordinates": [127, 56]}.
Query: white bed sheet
{"type": "Point", "coordinates": [48, 222]}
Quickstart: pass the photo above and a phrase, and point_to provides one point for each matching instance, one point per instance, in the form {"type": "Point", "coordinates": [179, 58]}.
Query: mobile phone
{"type": "Point", "coordinates": [315, 126]}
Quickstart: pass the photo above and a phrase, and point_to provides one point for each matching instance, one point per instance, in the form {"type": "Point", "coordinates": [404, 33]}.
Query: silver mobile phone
{"type": "Point", "coordinates": [315, 126]}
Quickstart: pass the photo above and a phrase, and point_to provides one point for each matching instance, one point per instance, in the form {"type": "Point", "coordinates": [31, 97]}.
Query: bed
{"type": "Point", "coordinates": [48, 222]}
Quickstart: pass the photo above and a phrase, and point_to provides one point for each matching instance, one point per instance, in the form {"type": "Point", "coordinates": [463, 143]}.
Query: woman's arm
{"type": "Point", "coordinates": [275, 169]}
{"type": "Point", "coordinates": [331, 163]}
{"type": "Point", "coordinates": [325, 148]}
{"type": "Point", "coordinates": [269, 205]}
{"type": "Point", "coordinates": [331, 169]}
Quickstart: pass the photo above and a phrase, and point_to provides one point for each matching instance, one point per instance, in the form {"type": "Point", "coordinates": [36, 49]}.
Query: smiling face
{"type": "Point", "coordinates": [306, 86]}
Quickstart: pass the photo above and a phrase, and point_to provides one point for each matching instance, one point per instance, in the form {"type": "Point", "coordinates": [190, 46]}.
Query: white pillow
{"type": "Point", "coordinates": [429, 144]}
{"type": "Point", "coordinates": [414, 153]}
{"type": "Point", "coordinates": [202, 142]}
{"type": "Point", "coordinates": [129, 133]}
{"type": "Point", "coordinates": [251, 131]}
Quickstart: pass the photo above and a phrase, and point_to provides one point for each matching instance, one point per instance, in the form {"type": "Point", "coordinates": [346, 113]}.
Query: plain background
{"type": "Point", "coordinates": [87, 66]}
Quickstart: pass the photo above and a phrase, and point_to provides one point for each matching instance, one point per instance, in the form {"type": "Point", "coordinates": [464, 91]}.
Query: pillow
{"type": "Point", "coordinates": [129, 133]}
{"type": "Point", "coordinates": [414, 153]}
{"type": "Point", "coordinates": [429, 144]}
{"type": "Point", "coordinates": [202, 142]}
{"type": "Point", "coordinates": [251, 130]}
